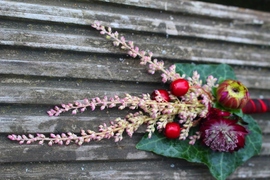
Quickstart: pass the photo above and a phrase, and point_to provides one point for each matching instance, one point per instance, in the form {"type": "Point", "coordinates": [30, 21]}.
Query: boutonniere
{"type": "Point", "coordinates": [198, 118]}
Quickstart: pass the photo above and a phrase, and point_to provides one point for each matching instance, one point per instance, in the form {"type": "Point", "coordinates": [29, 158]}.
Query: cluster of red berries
{"type": "Point", "coordinates": [178, 87]}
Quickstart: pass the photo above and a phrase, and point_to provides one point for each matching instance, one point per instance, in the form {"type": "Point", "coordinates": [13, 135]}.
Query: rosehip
{"type": "Point", "coordinates": [163, 94]}
{"type": "Point", "coordinates": [232, 94]}
{"type": "Point", "coordinates": [179, 87]}
{"type": "Point", "coordinates": [172, 130]}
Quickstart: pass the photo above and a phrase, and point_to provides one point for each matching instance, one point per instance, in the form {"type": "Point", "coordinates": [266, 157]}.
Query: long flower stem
{"type": "Point", "coordinates": [132, 102]}
{"type": "Point", "coordinates": [133, 51]}
{"type": "Point", "coordinates": [116, 129]}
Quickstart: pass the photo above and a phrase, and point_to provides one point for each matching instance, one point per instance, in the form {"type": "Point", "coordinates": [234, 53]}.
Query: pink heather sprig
{"type": "Point", "coordinates": [148, 105]}
{"type": "Point", "coordinates": [195, 137]}
{"type": "Point", "coordinates": [134, 51]}
{"type": "Point", "coordinates": [115, 130]}
{"type": "Point", "coordinates": [80, 106]}
{"type": "Point", "coordinates": [132, 102]}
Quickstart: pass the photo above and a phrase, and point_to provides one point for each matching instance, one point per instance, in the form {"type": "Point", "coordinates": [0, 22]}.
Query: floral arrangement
{"type": "Point", "coordinates": [199, 118]}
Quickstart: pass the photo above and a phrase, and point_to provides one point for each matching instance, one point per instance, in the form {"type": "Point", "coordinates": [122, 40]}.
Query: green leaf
{"type": "Point", "coordinates": [221, 165]}
{"type": "Point", "coordinates": [220, 71]}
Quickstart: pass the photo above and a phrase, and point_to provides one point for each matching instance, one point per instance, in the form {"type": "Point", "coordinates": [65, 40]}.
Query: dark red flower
{"type": "Point", "coordinates": [217, 113]}
{"type": "Point", "coordinates": [222, 134]}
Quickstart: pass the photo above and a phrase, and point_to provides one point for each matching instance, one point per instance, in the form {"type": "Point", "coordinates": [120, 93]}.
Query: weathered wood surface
{"type": "Point", "coordinates": [49, 54]}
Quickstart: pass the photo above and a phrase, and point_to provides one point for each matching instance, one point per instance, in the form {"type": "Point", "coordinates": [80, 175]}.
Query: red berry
{"type": "Point", "coordinates": [179, 87]}
{"type": "Point", "coordinates": [163, 94]}
{"type": "Point", "coordinates": [172, 130]}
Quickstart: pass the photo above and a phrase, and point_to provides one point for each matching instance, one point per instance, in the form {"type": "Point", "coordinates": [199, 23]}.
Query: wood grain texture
{"type": "Point", "coordinates": [171, 169]}
{"type": "Point", "coordinates": [202, 9]}
{"type": "Point", "coordinates": [49, 55]}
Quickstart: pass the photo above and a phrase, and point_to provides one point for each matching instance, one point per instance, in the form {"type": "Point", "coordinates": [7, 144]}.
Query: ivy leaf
{"type": "Point", "coordinates": [220, 164]}
{"type": "Point", "coordinates": [220, 71]}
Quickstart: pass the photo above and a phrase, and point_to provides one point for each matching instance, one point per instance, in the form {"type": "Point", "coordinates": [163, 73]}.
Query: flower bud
{"type": "Point", "coordinates": [232, 94]}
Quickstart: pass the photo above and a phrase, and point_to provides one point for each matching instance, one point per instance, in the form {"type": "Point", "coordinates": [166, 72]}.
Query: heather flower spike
{"type": "Point", "coordinates": [134, 51]}
{"type": "Point", "coordinates": [232, 94]}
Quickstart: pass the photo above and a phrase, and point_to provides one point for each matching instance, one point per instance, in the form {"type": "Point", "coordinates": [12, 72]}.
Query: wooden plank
{"type": "Point", "coordinates": [179, 27]}
{"type": "Point", "coordinates": [103, 71]}
{"type": "Point", "coordinates": [102, 150]}
{"type": "Point", "coordinates": [237, 15]}
{"type": "Point", "coordinates": [171, 169]}
{"type": "Point", "coordinates": [169, 49]}
{"type": "Point", "coordinates": [107, 69]}
{"type": "Point", "coordinates": [26, 122]}
{"type": "Point", "coordinates": [90, 120]}
{"type": "Point", "coordinates": [57, 95]}
{"type": "Point", "coordinates": [105, 150]}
